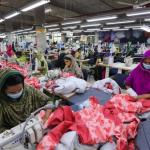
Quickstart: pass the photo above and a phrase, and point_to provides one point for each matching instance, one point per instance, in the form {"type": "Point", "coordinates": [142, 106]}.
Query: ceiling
{"type": "Point", "coordinates": [59, 11]}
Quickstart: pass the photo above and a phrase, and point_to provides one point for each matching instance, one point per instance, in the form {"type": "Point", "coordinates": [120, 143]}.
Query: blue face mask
{"type": "Point", "coordinates": [146, 66]}
{"type": "Point", "coordinates": [15, 96]}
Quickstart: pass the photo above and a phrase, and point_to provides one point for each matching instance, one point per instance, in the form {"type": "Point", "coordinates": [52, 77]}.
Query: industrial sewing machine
{"type": "Point", "coordinates": [25, 135]}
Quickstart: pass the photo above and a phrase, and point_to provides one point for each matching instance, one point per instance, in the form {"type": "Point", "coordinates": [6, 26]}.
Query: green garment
{"type": "Point", "coordinates": [12, 113]}
{"type": "Point", "coordinates": [42, 63]}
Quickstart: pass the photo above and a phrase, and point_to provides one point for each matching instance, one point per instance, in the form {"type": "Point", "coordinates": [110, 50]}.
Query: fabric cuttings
{"type": "Point", "coordinates": [107, 85]}
{"type": "Point", "coordinates": [96, 124]}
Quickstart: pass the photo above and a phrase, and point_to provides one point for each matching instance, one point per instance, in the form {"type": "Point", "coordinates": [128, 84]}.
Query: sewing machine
{"type": "Point", "coordinates": [25, 135]}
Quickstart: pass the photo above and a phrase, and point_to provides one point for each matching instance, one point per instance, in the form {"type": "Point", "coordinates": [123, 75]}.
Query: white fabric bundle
{"type": "Point", "coordinates": [68, 85]}
{"type": "Point", "coordinates": [69, 141]}
{"type": "Point", "coordinates": [101, 86]}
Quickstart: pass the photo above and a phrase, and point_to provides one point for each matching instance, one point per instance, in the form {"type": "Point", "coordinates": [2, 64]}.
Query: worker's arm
{"type": "Point", "coordinates": [144, 96]}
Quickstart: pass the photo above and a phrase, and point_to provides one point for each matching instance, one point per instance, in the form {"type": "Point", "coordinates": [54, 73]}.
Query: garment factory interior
{"type": "Point", "coordinates": [75, 74]}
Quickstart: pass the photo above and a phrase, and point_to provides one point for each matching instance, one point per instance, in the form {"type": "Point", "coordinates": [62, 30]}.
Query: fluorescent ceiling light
{"type": "Point", "coordinates": [138, 13]}
{"type": "Point", "coordinates": [104, 30]}
{"type": "Point", "coordinates": [93, 29]}
{"type": "Point", "coordinates": [112, 28]}
{"type": "Point", "coordinates": [120, 22]}
{"type": "Point", "coordinates": [35, 5]}
{"type": "Point", "coordinates": [90, 25]}
{"type": "Point", "coordinates": [53, 29]}
{"type": "Point", "coordinates": [120, 29]}
{"type": "Point", "coordinates": [101, 18]}
{"type": "Point", "coordinates": [19, 31]}
{"type": "Point", "coordinates": [12, 15]}
{"type": "Point", "coordinates": [70, 27]}
{"type": "Point", "coordinates": [77, 31]}
{"type": "Point", "coordinates": [71, 22]}
{"type": "Point", "coordinates": [127, 27]}
{"type": "Point", "coordinates": [32, 32]}
{"type": "Point", "coordinates": [145, 28]}
{"type": "Point", "coordinates": [48, 10]}
{"type": "Point", "coordinates": [147, 19]}
{"type": "Point", "coordinates": [51, 25]}
{"type": "Point", "coordinates": [1, 20]}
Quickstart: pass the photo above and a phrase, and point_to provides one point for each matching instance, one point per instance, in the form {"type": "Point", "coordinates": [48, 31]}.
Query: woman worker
{"type": "Point", "coordinates": [139, 79]}
{"type": "Point", "coordinates": [41, 65]}
{"type": "Point", "coordinates": [17, 101]}
{"type": "Point", "coordinates": [72, 66]}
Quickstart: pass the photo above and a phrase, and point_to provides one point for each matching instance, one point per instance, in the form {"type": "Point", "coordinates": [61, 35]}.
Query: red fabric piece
{"type": "Point", "coordinates": [97, 123]}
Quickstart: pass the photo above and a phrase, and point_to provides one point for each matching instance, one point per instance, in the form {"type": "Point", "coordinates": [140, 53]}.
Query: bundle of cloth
{"type": "Point", "coordinates": [107, 85]}
{"type": "Point", "coordinates": [111, 126]}
{"type": "Point", "coordinates": [22, 70]}
{"type": "Point", "coordinates": [34, 82]}
{"type": "Point", "coordinates": [69, 85]}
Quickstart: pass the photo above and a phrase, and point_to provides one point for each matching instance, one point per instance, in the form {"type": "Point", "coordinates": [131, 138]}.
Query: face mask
{"type": "Point", "coordinates": [146, 66]}
{"type": "Point", "coordinates": [15, 96]}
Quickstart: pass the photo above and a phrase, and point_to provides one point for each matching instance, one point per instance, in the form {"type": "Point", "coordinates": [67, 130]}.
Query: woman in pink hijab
{"type": "Point", "coordinates": [139, 78]}
{"type": "Point", "coordinates": [10, 52]}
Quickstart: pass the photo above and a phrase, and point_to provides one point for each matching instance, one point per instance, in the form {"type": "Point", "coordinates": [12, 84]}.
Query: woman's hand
{"type": "Point", "coordinates": [46, 116]}
{"type": "Point", "coordinates": [144, 96]}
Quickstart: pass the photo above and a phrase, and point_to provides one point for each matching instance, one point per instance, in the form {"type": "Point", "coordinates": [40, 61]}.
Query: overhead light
{"type": "Point", "coordinates": [71, 22]}
{"type": "Point", "coordinates": [93, 29]}
{"type": "Point", "coordinates": [54, 29]}
{"type": "Point", "coordinates": [120, 29]}
{"type": "Point", "coordinates": [112, 28]}
{"type": "Point", "coordinates": [120, 22]}
{"type": "Point", "coordinates": [35, 5]}
{"type": "Point", "coordinates": [1, 20]}
{"type": "Point", "coordinates": [145, 28]}
{"type": "Point", "coordinates": [48, 10]}
{"type": "Point", "coordinates": [101, 18]}
{"type": "Point", "coordinates": [51, 25]}
{"type": "Point", "coordinates": [104, 30]}
{"type": "Point", "coordinates": [128, 27]}
{"type": "Point", "coordinates": [90, 25]}
{"type": "Point", "coordinates": [19, 31]}
{"type": "Point", "coordinates": [77, 31]}
{"type": "Point", "coordinates": [32, 32]}
{"type": "Point", "coordinates": [136, 28]}
{"type": "Point", "coordinates": [70, 27]}
{"type": "Point", "coordinates": [138, 13]}
{"type": "Point", "coordinates": [147, 19]}
{"type": "Point", "coordinates": [12, 15]}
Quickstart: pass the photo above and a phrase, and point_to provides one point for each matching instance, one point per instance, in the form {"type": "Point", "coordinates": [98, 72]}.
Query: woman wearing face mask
{"type": "Point", "coordinates": [17, 101]}
{"type": "Point", "coordinates": [72, 66]}
{"type": "Point", "coordinates": [139, 79]}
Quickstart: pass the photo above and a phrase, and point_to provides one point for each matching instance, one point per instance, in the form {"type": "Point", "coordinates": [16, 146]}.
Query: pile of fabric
{"type": "Point", "coordinates": [22, 70]}
{"type": "Point", "coordinates": [33, 81]}
{"type": "Point", "coordinates": [115, 122]}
